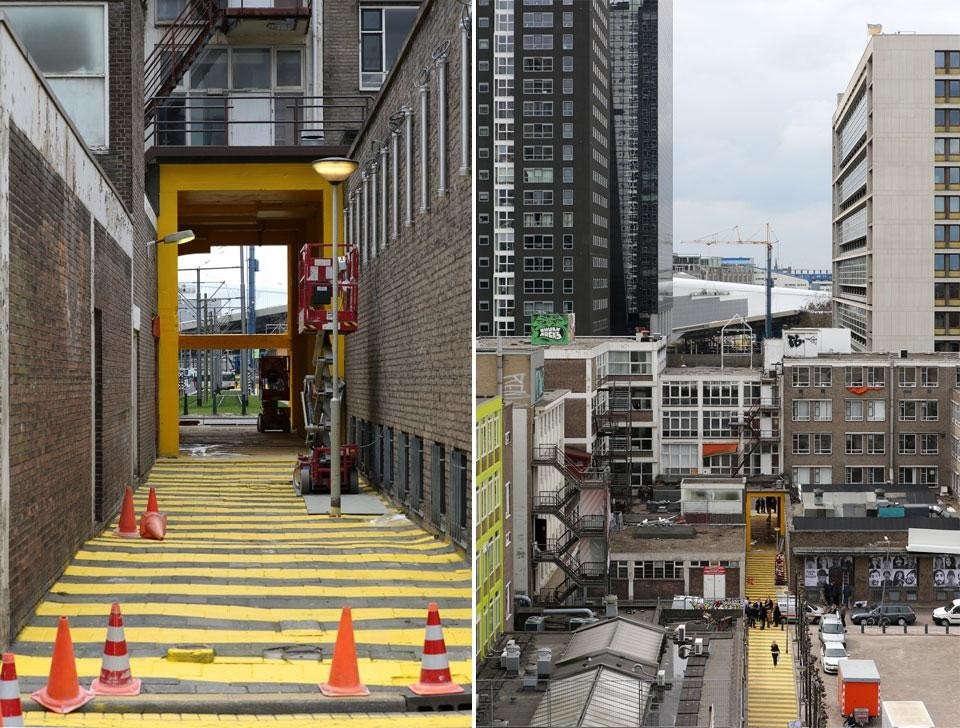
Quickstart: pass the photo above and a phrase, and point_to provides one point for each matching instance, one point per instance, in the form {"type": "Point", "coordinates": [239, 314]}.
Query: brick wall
{"type": "Point", "coordinates": [409, 364]}
{"type": "Point", "coordinates": [50, 378]}
{"type": "Point", "coordinates": [112, 303]}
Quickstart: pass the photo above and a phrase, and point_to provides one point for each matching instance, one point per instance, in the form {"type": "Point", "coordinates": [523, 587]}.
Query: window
{"type": "Point", "coordinates": [907, 443]}
{"type": "Point", "coordinates": [812, 475]}
{"type": "Point", "coordinates": [538, 20]}
{"type": "Point", "coordinates": [538, 286]}
{"type": "Point", "coordinates": [537, 153]}
{"type": "Point", "coordinates": [929, 376]}
{"type": "Point", "coordinates": [168, 10]}
{"type": "Point", "coordinates": [907, 376]}
{"type": "Point", "coordinates": [538, 174]}
{"type": "Point", "coordinates": [538, 197]}
{"type": "Point", "coordinates": [801, 376]}
{"type": "Point", "coordinates": [538, 131]}
{"type": "Point", "coordinates": [537, 42]}
{"type": "Point", "coordinates": [918, 475]}
{"type": "Point", "coordinates": [865, 475]}
{"type": "Point", "coordinates": [864, 443]}
{"type": "Point", "coordinates": [76, 71]}
{"type": "Point", "coordinates": [538, 108]}
{"type": "Point", "coordinates": [716, 423]}
{"type": "Point", "coordinates": [537, 64]}
{"type": "Point", "coordinates": [538, 264]}
{"type": "Point", "coordinates": [680, 393]}
{"type": "Point", "coordinates": [383, 31]}
{"type": "Point", "coordinates": [822, 443]}
{"type": "Point", "coordinates": [822, 376]}
{"type": "Point", "coordinates": [721, 393]}
{"type": "Point", "coordinates": [926, 410]}
{"type": "Point", "coordinates": [929, 443]}
{"type": "Point", "coordinates": [538, 86]}
{"type": "Point", "coordinates": [679, 423]}
{"type": "Point", "coordinates": [567, 64]}
{"type": "Point", "coordinates": [568, 285]}
{"type": "Point", "coordinates": [859, 410]}
{"type": "Point", "coordinates": [658, 570]}
{"type": "Point", "coordinates": [801, 443]}
{"type": "Point", "coordinates": [820, 410]}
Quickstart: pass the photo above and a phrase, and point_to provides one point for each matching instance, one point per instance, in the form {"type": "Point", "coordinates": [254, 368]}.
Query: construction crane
{"type": "Point", "coordinates": [738, 239]}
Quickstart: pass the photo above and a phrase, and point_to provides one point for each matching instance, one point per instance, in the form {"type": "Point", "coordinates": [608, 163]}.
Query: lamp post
{"type": "Point", "coordinates": [336, 171]}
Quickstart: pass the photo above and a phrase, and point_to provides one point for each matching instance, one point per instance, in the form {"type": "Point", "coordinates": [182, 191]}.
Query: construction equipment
{"type": "Point", "coordinates": [312, 474]}
{"type": "Point", "coordinates": [274, 394]}
{"type": "Point", "coordinates": [738, 239]}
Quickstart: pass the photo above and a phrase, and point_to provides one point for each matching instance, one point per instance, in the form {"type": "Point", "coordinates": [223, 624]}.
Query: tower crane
{"type": "Point", "coordinates": [738, 239]}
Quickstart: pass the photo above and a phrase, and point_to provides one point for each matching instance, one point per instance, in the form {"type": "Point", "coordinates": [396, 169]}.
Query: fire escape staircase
{"type": "Point", "coordinates": [564, 505]}
{"type": "Point", "coordinates": [179, 47]}
{"type": "Point", "coordinates": [750, 435]}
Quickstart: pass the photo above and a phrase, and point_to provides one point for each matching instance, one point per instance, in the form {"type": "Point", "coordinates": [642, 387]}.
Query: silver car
{"type": "Point", "coordinates": [832, 631]}
{"type": "Point", "coordinates": [830, 655]}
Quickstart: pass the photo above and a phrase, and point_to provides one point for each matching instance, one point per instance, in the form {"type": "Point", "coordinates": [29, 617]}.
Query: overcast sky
{"type": "Point", "coordinates": [755, 85]}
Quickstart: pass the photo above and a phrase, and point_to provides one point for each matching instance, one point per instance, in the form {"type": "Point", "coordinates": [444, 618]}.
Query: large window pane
{"type": "Point", "coordinates": [84, 100]}
{"type": "Point", "coordinates": [210, 70]}
{"type": "Point", "coordinates": [371, 53]}
{"type": "Point", "coordinates": [251, 68]}
{"type": "Point", "coordinates": [43, 30]}
{"type": "Point", "coordinates": [397, 22]}
{"type": "Point", "coordinates": [289, 68]}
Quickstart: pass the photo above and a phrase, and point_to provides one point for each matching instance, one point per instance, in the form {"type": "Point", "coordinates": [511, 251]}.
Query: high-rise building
{"type": "Point", "coordinates": [641, 73]}
{"type": "Point", "coordinates": [543, 164]}
{"type": "Point", "coordinates": [896, 200]}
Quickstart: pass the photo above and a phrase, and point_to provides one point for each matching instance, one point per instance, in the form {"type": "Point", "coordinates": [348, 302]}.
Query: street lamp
{"type": "Point", "coordinates": [336, 171]}
{"type": "Point", "coordinates": [180, 237]}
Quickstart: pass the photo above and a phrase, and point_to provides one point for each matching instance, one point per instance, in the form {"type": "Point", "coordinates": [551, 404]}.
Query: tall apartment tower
{"type": "Point", "coordinates": [543, 164]}
{"type": "Point", "coordinates": [896, 199]}
{"type": "Point", "coordinates": [641, 72]}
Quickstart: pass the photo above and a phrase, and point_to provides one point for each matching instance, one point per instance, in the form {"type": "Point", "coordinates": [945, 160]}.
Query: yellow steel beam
{"type": "Point", "coordinates": [235, 341]}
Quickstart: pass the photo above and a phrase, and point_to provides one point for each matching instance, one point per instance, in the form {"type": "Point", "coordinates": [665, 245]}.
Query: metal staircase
{"type": "Point", "coordinates": [563, 504]}
{"type": "Point", "coordinates": [179, 47]}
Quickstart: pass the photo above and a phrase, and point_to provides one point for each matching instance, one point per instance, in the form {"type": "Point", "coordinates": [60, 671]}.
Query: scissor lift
{"type": "Point", "coordinates": [314, 314]}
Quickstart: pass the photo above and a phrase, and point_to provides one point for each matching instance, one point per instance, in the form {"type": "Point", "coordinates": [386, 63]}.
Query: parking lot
{"type": "Point", "coordinates": [912, 666]}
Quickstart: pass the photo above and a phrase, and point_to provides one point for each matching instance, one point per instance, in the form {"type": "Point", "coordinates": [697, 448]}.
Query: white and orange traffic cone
{"type": "Point", "coordinates": [435, 678]}
{"type": "Point", "coordinates": [11, 712]}
{"type": "Point", "coordinates": [115, 677]}
{"type": "Point", "coordinates": [62, 693]}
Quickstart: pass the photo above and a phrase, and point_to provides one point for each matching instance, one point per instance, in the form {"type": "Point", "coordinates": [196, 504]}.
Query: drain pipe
{"type": "Point", "coordinates": [523, 600]}
{"type": "Point", "coordinates": [577, 611]}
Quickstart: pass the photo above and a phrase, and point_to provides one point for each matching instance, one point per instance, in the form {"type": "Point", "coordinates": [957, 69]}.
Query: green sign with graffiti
{"type": "Point", "coordinates": [550, 328]}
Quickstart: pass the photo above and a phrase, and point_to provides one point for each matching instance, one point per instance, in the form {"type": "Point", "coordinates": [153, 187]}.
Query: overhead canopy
{"type": "Point", "coordinates": [933, 541]}
{"type": "Point", "coordinates": [597, 697]}
{"type": "Point", "coordinates": [632, 641]}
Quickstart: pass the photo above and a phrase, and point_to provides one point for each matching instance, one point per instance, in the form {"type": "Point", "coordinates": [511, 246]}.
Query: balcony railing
{"type": "Point", "coordinates": [249, 120]}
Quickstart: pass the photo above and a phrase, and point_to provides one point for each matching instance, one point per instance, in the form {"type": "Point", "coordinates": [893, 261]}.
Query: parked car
{"type": "Point", "coordinates": [885, 614]}
{"type": "Point", "coordinates": [949, 614]}
{"type": "Point", "coordinates": [788, 608]}
{"type": "Point", "coordinates": [830, 656]}
{"type": "Point", "coordinates": [832, 630]}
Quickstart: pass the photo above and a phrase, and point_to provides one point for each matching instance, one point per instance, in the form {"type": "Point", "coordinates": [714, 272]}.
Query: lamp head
{"type": "Point", "coordinates": [178, 238]}
{"type": "Point", "coordinates": [335, 169]}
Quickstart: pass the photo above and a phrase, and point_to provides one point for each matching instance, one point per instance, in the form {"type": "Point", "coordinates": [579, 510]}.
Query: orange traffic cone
{"type": "Point", "coordinates": [128, 517]}
{"type": "Point", "coordinates": [11, 712]}
{"type": "Point", "coordinates": [115, 677]}
{"type": "Point", "coordinates": [63, 693]}
{"type": "Point", "coordinates": [152, 506]}
{"type": "Point", "coordinates": [153, 525]}
{"type": "Point", "coordinates": [344, 677]}
{"type": "Point", "coordinates": [435, 678]}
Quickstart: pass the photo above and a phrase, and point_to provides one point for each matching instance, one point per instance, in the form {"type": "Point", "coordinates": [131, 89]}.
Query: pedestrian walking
{"type": "Point", "coordinates": [843, 616]}
{"type": "Point", "coordinates": [763, 616]}
{"type": "Point", "coordinates": [777, 615]}
{"type": "Point", "coordinates": [774, 652]}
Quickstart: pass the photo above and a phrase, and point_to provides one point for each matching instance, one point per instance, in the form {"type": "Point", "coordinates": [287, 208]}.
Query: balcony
{"type": "Point", "coordinates": [262, 125]}
{"type": "Point", "coordinates": [279, 19]}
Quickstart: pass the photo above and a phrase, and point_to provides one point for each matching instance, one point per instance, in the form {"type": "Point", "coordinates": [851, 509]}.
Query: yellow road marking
{"type": "Point", "coordinates": [455, 636]}
{"type": "Point", "coordinates": [397, 673]}
{"type": "Point", "coordinates": [303, 558]}
{"type": "Point", "coordinates": [221, 571]}
{"type": "Point", "coordinates": [326, 720]}
{"type": "Point", "coordinates": [223, 611]}
{"type": "Point", "coordinates": [255, 590]}
{"type": "Point", "coordinates": [175, 537]}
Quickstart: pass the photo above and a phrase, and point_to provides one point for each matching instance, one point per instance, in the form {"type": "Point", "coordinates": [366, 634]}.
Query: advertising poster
{"type": "Point", "coordinates": [896, 570]}
{"type": "Point", "coordinates": [946, 571]}
{"type": "Point", "coordinates": [816, 569]}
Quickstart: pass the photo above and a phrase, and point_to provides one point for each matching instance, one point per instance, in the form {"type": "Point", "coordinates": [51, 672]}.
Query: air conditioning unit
{"type": "Point", "coordinates": [680, 633]}
{"type": "Point", "coordinates": [698, 646]}
{"type": "Point", "coordinates": [661, 678]}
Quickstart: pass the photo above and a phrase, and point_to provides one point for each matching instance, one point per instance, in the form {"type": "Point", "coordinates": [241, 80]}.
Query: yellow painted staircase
{"type": "Point", "coordinates": [771, 691]}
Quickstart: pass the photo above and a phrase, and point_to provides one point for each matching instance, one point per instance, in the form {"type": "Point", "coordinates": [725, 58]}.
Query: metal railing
{"type": "Point", "coordinates": [249, 120]}
{"type": "Point", "coordinates": [300, 6]}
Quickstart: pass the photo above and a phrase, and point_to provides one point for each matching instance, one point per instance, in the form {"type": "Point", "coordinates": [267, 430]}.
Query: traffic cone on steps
{"type": "Point", "coordinates": [435, 678]}
{"type": "Point", "coordinates": [128, 517]}
{"type": "Point", "coordinates": [11, 712]}
{"type": "Point", "coordinates": [152, 506]}
{"type": "Point", "coordinates": [115, 677]}
{"type": "Point", "coordinates": [63, 693]}
{"type": "Point", "coordinates": [344, 677]}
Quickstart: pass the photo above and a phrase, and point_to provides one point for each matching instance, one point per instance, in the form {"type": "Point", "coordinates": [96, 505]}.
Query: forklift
{"type": "Point", "coordinates": [317, 268]}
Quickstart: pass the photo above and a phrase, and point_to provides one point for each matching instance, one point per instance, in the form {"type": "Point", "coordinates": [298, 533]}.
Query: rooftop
{"type": "Point", "coordinates": [706, 540]}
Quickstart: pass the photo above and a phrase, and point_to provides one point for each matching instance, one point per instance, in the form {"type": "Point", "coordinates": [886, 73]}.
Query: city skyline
{"type": "Point", "coordinates": [736, 161]}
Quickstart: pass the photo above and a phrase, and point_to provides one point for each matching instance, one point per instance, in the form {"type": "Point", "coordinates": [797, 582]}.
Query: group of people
{"type": "Point", "coordinates": [767, 504]}
{"type": "Point", "coordinates": [766, 613]}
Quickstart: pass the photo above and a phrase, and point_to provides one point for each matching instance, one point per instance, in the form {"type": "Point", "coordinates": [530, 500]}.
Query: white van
{"type": "Point", "coordinates": [788, 609]}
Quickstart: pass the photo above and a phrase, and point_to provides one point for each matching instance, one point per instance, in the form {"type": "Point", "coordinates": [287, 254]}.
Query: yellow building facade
{"type": "Point", "coordinates": [488, 470]}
